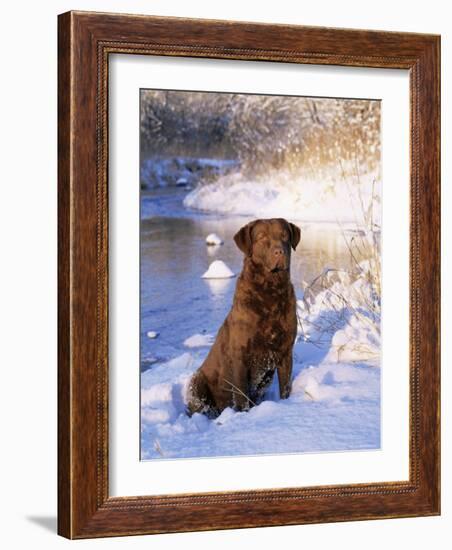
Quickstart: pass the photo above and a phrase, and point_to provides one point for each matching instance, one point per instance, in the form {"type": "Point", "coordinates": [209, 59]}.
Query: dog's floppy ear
{"type": "Point", "coordinates": [243, 239]}
{"type": "Point", "coordinates": [295, 235]}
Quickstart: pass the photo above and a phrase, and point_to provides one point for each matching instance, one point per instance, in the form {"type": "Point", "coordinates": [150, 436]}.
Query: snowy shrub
{"type": "Point", "coordinates": [341, 310]}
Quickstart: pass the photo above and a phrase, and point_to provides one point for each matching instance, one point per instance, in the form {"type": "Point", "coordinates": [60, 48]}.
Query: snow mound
{"type": "Point", "coordinates": [333, 382]}
{"type": "Point", "coordinates": [214, 240]}
{"type": "Point", "coordinates": [292, 197]}
{"type": "Point", "coordinates": [199, 341]}
{"type": "Point", "coordinates": [218, 270]}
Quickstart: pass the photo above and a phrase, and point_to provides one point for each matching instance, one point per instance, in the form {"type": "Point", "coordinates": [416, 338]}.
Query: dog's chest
{"type": "Point", "coordinates": [272, 336]}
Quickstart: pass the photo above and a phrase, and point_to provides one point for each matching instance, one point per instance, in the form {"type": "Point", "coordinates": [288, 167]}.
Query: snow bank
{"type": "Point", "coordinates": [332, 407]}
{"type": "Point", "coordinates": [218, 270]}
{"type": "Point", "coordinates": [292, 197]}
{"type": "Point", "coordinates": [182, 171]}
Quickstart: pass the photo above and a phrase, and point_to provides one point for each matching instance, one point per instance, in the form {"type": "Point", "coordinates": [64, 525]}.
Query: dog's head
{"type": "Point", "coordinates": [269, 243]}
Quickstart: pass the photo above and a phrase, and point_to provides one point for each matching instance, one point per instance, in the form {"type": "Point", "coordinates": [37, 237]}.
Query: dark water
{"type": "Point", "coordinates": [175, 301]}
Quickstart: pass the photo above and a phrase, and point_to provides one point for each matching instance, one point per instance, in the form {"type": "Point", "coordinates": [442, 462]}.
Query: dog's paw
{"type": "Point", "coordinates": [285, 392]}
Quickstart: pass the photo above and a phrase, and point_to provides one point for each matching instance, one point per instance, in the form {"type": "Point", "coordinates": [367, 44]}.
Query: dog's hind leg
{"type": "Point", "coordinates": [200, 398]}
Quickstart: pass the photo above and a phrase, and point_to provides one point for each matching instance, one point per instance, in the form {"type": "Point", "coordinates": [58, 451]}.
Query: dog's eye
{"type": "Point", "coordinates": [285, 236]}
{"type": "Point", "coordinates": [260, 236]}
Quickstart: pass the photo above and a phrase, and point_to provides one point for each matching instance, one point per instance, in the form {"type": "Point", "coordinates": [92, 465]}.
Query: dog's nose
{"type": "Point", "coordinates": [278, 252]}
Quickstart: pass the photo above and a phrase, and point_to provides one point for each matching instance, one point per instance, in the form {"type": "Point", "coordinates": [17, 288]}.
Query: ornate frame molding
{"type": "Point", "coordinates": [85, 42]}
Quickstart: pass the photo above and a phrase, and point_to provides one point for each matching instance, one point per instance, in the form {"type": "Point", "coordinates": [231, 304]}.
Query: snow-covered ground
{"type": "Point", "coordinates": [335, 400]}
{"type": "Point", "coordinates": [182, 171]}
{"type": "Point", "coordinates": [290, 196]}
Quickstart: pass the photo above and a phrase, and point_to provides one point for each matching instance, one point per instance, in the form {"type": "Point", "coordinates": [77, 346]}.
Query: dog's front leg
{"type": "Point", "coordinates": [285, 376]}
{"type": "Point", "coordinates": [239, 388]}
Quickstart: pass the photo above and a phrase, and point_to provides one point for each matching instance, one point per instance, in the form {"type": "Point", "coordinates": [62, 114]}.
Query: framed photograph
{"type": "Point", "coordinates": [248, 275]}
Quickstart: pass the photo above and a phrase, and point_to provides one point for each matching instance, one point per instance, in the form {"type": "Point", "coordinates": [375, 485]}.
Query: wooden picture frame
{"type": "Point", "coordinates": [85, 42]}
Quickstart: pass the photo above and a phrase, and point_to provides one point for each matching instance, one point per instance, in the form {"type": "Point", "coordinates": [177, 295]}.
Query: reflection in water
{"type": "Point", "coordinates": [175, 301]}
{"type": "Point", "coordinates": [218, 287]}
{"type": "Point", "coordinates": [213, 250]}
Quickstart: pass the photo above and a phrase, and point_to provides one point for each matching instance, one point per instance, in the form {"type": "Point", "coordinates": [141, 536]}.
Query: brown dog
{"type": "Point", "coordinates": [258, 334]}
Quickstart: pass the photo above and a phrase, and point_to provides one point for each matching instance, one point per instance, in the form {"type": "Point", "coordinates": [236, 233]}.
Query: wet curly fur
{"type": "Point", "coordinates": [257, 336]}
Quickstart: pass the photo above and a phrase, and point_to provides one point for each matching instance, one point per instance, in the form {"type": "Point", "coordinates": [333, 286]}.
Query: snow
{"type": "Point", "coordinates": [332, 407]}
{"type": "Point", "coordinates": [214, 240]}
{"type": "Point", "coordinates": [199, 340]}
{"type": "Point", "coordinates": [218, 270]}
{"type": "Point", "coordinates": [181, 171]}
{"type": "Point", "coordinates": [295, 197]}
{"type": "Point", "coordinates": [333, 382]}
{"type": "Point", "coordinates": [345, 312]}
{"type": "Point", "coordinates": [334, 404]}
